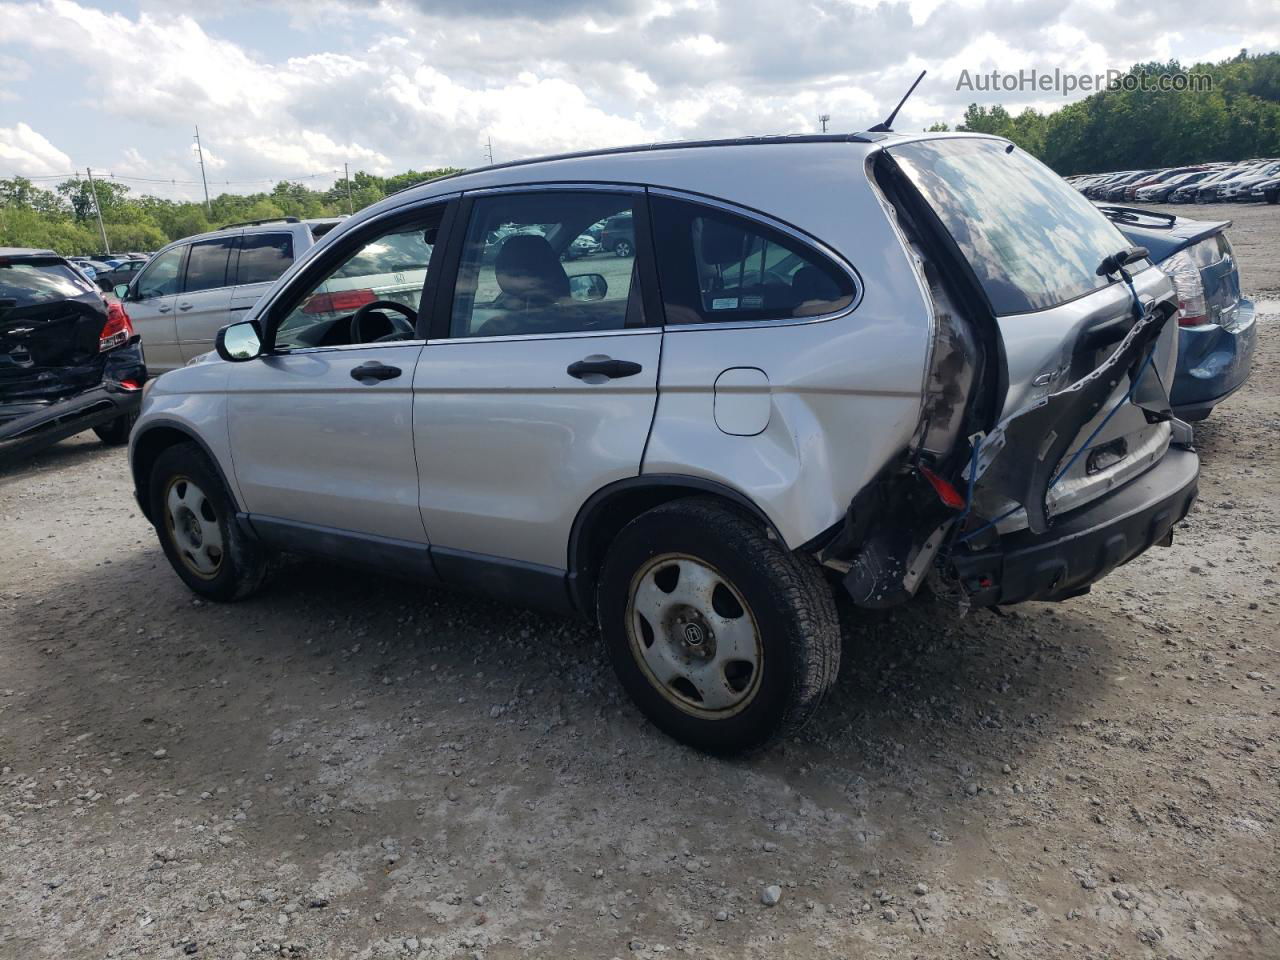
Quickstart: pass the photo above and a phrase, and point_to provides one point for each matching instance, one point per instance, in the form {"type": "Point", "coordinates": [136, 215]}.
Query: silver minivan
{"type": "Point", "coordinates": [195, 286]}
{"type": "Point", "coordinates": [866, 363]}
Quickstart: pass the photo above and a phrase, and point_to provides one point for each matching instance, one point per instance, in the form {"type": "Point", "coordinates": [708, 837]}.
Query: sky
{"type": "Point", "coordinates": [293, 89]}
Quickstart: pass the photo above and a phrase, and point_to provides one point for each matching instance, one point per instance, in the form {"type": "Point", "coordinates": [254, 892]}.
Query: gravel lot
{"type": "Point", "coordinates": [350, 767]}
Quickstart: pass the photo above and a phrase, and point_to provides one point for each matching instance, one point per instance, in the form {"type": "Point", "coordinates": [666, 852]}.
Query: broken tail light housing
{"type": "Point", "coordinates": [117, 330]}
{"type": "Point", "coordinates": [1182, 270]}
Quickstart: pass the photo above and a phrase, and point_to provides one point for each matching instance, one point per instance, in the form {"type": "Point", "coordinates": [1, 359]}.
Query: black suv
{"type": "Point", "coordinates": [69, 360]}
{"type": "Point", "coordinates": [619, 235]}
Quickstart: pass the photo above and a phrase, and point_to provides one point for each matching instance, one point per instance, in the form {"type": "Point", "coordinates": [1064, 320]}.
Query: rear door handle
{"type": "Point", "coordinates": [605, 368]}
{"type": "Point", "coordinates": [373, 370]}
{"type": "Point", "coordinates": [184, 306]}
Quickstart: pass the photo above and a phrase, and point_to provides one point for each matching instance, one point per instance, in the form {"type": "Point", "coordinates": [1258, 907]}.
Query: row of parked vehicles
{"type": "Point", "coordinates": [107, 270]}
{"type": "Point", "coordinates": [1255, 180]}
{"type": "Point", "coordinates": [856, 362]}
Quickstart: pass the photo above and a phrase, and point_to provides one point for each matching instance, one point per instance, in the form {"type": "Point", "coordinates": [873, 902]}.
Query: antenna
{"type": "Point", "coordinates": [887, 126]}
{"type": "Point", "coordinates": [824, 119]}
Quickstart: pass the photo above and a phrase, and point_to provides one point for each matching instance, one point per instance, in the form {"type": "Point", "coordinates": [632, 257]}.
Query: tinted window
{"type": "Point", "coordinates": [160, 278]}
{"type": "Point", "coordinates": [207, 265]}
{"type": "Point", "coordinates": [26, 283]}
{"type": "Point", "coordinates": [264, 256]}
{"type": "Point", "coordinates": [530, 266]}
{"type": "Point", "coordinates": [716, 266]}
{"type": "Point", "coordinates": [388, 266]}
{"type": "Point", "coordinates": [1032, 240]}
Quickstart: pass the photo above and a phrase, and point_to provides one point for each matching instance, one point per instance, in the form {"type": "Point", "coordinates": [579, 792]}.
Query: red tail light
{"type": "Point", "coordinates": [117, 329]}
{"type": "Point", "coordinates": [339, 301]}
{"type": "Point", "coordinates": [947, 493]}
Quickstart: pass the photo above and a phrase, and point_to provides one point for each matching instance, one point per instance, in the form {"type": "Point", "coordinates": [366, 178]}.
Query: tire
{"type": "Point", "coordinates": [198, 529]}
{"type": "Point", "coordinates": [115, 432]}
{"type": "Point", "coordinates": [623, 248]}
{"type": "Point", "coordinates": [682, 571]}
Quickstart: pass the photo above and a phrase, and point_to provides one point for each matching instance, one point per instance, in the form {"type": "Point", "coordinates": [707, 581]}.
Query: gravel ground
{"type": "Point", "coordinates": [351, 767]}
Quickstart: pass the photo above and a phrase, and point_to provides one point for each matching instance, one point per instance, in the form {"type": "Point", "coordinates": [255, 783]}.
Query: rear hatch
{"type": "Point", "coordinates": [51, 318]}
{"type": "Point", "coordinates": [1083, 404]}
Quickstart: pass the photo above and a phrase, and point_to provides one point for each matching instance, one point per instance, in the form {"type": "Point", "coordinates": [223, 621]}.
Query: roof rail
{"type": "Point", "coordinates": [258, 223]}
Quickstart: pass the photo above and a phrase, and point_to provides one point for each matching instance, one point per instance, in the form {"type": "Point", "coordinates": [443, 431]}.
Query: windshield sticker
{"type": "Point", "coordinates": [752, 303]}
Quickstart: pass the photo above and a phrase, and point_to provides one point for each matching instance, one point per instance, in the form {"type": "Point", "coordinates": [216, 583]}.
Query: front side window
{"type": "Point", "coordinates": [160, 278]}
{"type": "Point", "coordinates": [263, 257]}
{"type": "Point", "coordinates": [390, 266]}
{"type": "Point", "coordinates": [532, 264]}
{"type": "Point", "coordinates": [207, 265]}
{"type": "Point", "coordinates": [1032, 240]}
{"type": "Point", "coordinates": [717, 266]}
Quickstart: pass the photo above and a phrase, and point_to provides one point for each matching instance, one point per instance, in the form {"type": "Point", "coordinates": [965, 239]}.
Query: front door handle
{"type": "Point", "coordinates": [601, 368]}
{"type": "Point", "coordinates": [163, 309]}
{"type": "Point", "coordinates": [373, 370]}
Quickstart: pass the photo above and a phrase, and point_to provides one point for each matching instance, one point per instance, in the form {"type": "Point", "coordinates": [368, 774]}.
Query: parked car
{"type": "Point", "coordinates": [1268, 190]}
{"type": "Point", "coordinates": [1159, 192]}
{"type": "Point", "coordinates": [121, 274]}
{"type": "Point", "coordinates": [1210, 190]}
{"type": "Point", "coordinates": [1238, 188]}
{"type": "Point", "coordinates": [84, 267]}
{"type": "Point", "coordinates": [196, 285]}
{"type": "Point", "coordinates": [583, 245]}
{"type": "Point", "coordinates": [69, 361]}
{"type": "Point", "coordinates": [823, 341]}
{"type": "Point", "coordinates": [1217, 332]}
{"type": "Point", "coordinates": [619, 235]}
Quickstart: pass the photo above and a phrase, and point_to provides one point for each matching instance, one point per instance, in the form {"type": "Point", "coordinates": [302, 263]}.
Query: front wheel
{"type": "Point", "coordinates": [722, 637]}
{"type": "Point", "coordinates": [195, 521]}
{"type": "Point", "coordinates": [623, 248]}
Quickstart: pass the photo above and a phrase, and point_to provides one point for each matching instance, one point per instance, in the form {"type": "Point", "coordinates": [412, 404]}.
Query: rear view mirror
{"type": "Point", "coordinates": [121, 290]}
{"type": "Point", "coordinates": [588, 287]}
{"type": "Point", "coordinates": [240, 341]}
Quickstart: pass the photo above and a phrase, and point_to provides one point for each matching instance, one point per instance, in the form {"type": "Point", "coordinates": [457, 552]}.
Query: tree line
{"type": "Point", "coordinates": [64, 218]}
{"type": "Point", "coordinates": [1129, 127]}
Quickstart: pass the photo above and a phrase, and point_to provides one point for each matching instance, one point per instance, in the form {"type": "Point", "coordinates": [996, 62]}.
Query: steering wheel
{"type": "Point", "coordinates": [401, 325]}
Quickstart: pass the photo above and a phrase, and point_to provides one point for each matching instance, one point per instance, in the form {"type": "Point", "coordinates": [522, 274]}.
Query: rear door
{"type": "Point", "coordinates": [261, 259]}
{"type": "Point", "coordinates": [151, 308]}
{"type": "Point", "coordinates": [537, 388]}
{"type": "Point", "coordinates": [203, 304]}
{"type": "Point", "coordinates": [1034, 246]}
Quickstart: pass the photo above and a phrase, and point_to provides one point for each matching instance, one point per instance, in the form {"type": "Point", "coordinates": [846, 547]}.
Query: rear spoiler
{"type": "Point", "coordinates": [1164, 233]}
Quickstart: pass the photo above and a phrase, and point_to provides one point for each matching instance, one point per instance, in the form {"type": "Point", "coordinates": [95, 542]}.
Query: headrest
{"type": "Point", "coordinates": [528, 268]}
{"type": "Point", "coordinates": [720, 242]}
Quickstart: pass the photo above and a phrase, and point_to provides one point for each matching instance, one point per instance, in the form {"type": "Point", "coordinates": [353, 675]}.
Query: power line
{"type": "Point", "coordinates": [75, 175]}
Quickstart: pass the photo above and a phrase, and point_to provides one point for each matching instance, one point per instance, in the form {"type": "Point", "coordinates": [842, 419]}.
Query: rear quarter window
{"type": "Point", "coordinates": [1032, 240]}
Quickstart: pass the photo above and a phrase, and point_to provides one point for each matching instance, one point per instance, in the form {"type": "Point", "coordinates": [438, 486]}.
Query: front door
{"type": "Point", "coordinates": [150, 309]}
{"type": "Point", "coordinates": [203, 303]}
{"type": "Point", "coordinates": [539, 383]}
{"type": "Point", "coordinates": [321, 426]}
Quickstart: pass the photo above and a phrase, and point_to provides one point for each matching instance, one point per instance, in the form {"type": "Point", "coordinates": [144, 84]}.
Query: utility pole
{"type": "Point", "coordinates": [824, 119]}
{"type": "Point", "coordinates": [97, 208]}
{"type": "Point", "coordinates": [346, 173]}
{"type": "Point", "coordinates": [200, 153]}
{"type": "Point", "coordinates": [489, 149]}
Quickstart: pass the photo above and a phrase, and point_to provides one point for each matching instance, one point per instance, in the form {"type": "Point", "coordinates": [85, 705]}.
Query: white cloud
{"type": "Point", "coordinates": [24, 151]}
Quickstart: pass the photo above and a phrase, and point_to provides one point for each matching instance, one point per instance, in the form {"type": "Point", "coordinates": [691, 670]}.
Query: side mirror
{"type": "Point", "coordinates": [239, 341]}
{"type": "Point", "coordinates": [588, 287]}
{"type": "Point", "coordinates": [121, 290]}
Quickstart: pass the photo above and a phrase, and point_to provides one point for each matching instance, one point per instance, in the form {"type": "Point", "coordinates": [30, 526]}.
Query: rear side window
{"type": "Point", "coordinates": [264, 256]}
{"type": "Point", "coordinates": [207, 265]}
{"type": "Point", "coordinates": [715, 266]}
{"type": "Point", "coordinates": [23, 283]}
{"type": "Point", "coordinates": [1032, 240]}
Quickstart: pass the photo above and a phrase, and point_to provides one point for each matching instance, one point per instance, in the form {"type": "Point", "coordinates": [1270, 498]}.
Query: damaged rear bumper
{"type": "Point", "coordinates": [46, 424]}
{"type": "Point", "coordinates": [1083, 546]}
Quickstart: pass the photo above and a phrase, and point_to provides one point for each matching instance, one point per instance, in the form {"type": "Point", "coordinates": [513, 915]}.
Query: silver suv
{"type": "Point", "coordinates": [862, 362]}
{"type": "Point", "coordinates": [195, 286]}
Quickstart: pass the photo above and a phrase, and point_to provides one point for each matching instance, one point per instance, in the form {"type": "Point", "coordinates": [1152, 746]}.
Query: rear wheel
{"type": "Point", "coordinates": [722, 637]}
{"type": "Point", "coordinates": [195, 521]}
{"type": "Point", "coordinates": [623, 248]}
{"type": "Point", "coordinates": [115, 432]}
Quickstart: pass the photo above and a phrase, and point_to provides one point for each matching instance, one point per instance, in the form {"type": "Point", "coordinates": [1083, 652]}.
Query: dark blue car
{"type": "Point", "coordinates": [1217, 330]}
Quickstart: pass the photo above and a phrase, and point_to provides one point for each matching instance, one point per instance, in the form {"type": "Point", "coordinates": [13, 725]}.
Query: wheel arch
{"type": "Point", "coordinates": [155, 438]}
{"type": "Point", "coordinates": [612, 507]}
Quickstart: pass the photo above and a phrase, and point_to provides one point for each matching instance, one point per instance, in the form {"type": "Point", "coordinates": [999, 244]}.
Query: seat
{"type": "Point", "coordinates": [533, 285]}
